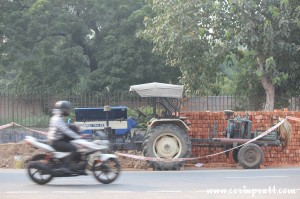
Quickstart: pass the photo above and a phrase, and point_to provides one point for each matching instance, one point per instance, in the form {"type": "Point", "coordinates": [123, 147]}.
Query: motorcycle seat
{"type": "Point", "coordinates": [45, 141]}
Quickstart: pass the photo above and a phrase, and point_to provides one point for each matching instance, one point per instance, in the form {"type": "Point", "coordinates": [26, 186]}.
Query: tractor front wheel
{"type": "Point", "coordinates": [167, 141]}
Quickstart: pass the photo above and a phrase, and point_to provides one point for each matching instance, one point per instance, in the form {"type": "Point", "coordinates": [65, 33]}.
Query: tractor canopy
{"type": "Point", "coordinates": [156, 89]}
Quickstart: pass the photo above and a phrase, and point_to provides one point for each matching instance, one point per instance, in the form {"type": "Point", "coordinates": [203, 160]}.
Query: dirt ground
{"type": "Point", "coordinates": [15, 155]}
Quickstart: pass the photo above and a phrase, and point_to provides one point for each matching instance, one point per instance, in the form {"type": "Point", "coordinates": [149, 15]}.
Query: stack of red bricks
{"type": "Point", "coordinates": [203, 122]}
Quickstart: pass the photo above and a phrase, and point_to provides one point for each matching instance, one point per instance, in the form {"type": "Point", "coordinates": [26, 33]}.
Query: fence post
{"type": "Point", "coordinates": [207, 102]}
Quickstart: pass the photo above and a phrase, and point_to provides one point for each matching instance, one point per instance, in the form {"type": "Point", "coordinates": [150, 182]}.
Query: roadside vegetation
{"type": "Point", "coordinates": [249, 48]}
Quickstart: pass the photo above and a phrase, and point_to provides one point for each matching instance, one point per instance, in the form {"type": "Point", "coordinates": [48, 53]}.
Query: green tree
{"type": "Point", "coordinates": [174, 31]}
{"type": "Point", "coordinates": [242, 81]}
{"type": "Point", "coordinates": [196, 33]}
{"type": "Point", "coordinates": [78, 44]}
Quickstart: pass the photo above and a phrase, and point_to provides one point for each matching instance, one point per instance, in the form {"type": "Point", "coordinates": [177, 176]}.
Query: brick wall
{"type": "Point", "coordinates": [203, 122]}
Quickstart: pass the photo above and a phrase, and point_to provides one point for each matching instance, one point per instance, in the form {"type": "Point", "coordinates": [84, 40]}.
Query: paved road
{"type": "Point", "coordinates": [202, 183]}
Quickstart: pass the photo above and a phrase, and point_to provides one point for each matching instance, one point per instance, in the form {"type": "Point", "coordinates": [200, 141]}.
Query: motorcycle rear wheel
{"type": "Point", "coordinates": [107, 171]}
{"type": "Point", "coordinates": [36, 170]}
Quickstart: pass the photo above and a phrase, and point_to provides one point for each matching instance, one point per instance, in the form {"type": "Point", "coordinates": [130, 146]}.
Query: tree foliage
{"type": "Point", "coordinates": [77, 45]}
{"type": "Point", "coordinates": [198, 34]}
{"type": "Point", "coordinates": [175, 33]}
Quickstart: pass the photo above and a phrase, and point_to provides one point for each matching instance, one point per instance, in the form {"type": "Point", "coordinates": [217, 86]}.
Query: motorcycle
{"type": "Point", "coordinates": [43, 167]}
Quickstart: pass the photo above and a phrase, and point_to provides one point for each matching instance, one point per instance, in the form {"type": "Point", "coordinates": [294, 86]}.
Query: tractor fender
{"type": "Point", "coordinates": [154, 122]}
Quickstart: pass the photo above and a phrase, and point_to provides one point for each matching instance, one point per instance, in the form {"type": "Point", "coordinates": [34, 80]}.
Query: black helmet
{"type": "Point", "coordinates": [64, 106]}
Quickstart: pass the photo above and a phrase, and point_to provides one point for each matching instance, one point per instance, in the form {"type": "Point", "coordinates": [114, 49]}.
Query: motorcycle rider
{"type": "Point", "coordinates": [58, 130]}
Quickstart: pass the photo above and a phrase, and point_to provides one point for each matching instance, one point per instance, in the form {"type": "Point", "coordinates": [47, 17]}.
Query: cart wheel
{"type": "Point", "coordinates": [250, 156]}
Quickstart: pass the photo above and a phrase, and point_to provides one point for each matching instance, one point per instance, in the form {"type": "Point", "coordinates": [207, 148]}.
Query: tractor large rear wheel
{"type": "Point", "coordinates": [166, 141]}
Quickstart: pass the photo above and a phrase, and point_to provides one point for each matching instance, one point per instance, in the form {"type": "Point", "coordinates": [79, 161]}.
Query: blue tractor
{"type": "Point", "coordinates": [166, 135]}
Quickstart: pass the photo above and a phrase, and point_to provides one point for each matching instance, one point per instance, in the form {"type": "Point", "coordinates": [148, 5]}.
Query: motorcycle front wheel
{"type": "Point", "coordinates": [37, 171]}
{"type": "Point", "coordinates": [107, 171]}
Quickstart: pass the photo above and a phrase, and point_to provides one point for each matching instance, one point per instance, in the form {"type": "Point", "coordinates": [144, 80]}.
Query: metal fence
{"type": "Point", "coordinates": [34, 109]}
